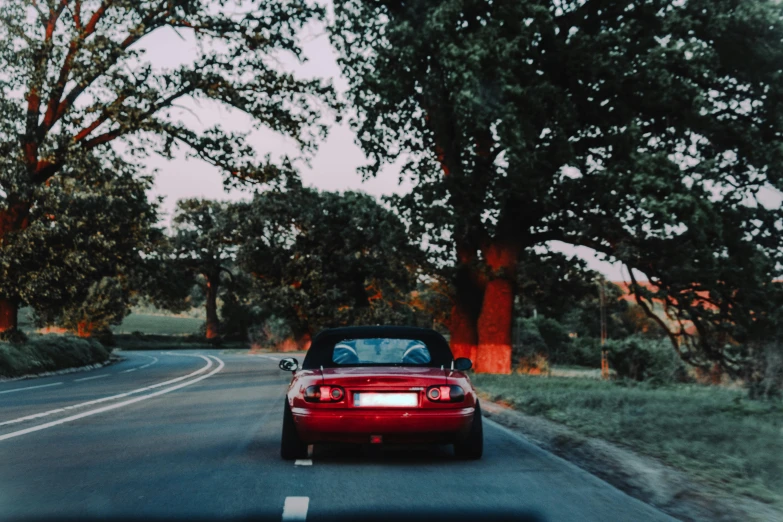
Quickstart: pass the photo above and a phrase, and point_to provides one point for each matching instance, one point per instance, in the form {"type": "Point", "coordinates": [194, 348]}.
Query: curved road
{"type": "Point", "coordinates": [196, 435]}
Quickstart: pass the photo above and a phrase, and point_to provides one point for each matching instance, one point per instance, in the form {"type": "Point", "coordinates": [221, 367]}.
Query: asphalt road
{"type": "Point", "coordinates": [195, 435]}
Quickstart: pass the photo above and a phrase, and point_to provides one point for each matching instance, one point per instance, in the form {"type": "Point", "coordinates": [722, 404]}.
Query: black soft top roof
{"type": "Point", "coordinates": [320, 352]}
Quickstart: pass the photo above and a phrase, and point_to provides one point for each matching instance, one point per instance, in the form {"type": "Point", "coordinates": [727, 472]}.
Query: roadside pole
{"type": "Point", "coordinates": [604, 360]}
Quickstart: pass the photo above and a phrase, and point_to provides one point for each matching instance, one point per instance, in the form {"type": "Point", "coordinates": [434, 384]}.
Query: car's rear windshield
{"type": "Point", "coordinates": [380, 351]}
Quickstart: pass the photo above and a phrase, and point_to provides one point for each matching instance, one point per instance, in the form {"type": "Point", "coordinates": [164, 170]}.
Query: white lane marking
{"type": "Point", "coordinates": [30, 388]}
{"type": "Point", "coordinates": [303, 462]}
{"type": "Point", "coordinates": [91, 378]}
{"type": "Point", "coordinates": [295, 508]}
{"type": "Point", "coordinates": [154, 360]}
{"type": "Point", "coordinates": [112, 397]}
{"type": "Point", "coordinates": [40, 427]}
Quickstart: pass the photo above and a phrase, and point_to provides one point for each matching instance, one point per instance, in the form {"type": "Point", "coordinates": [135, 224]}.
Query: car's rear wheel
{"type": "Point", "coordinates": [291, 446]}
{"type": "Point", "coordinates": [471, 445]}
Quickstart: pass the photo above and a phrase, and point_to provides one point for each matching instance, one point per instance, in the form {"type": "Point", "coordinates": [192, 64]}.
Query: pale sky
{"type": "Point", "coordinates": [334, 165]}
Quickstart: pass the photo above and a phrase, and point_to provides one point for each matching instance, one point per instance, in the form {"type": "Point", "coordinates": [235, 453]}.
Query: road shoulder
{"type": "Point", "coordinates": [113, 359]}
{"type": "Point", "coordinates": [642, 477]}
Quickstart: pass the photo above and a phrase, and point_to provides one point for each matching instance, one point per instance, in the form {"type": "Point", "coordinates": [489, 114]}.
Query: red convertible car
{"type": "Point", "coordinates": [380, 385]}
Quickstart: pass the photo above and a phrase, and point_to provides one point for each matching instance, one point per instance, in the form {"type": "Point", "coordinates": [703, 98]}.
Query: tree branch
{"type": "Point", "coordinates": [96, 17]}
{"type": "Point", "coordinates": [52, 111]}
{"type": "Point", "coordinates": [144, 28]}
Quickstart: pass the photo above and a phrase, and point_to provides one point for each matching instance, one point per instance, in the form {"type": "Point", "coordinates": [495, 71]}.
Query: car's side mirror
{"type": "Point", "coordinates": [462, 364]}
{"type": "Point", "coordinates": [289, 364]}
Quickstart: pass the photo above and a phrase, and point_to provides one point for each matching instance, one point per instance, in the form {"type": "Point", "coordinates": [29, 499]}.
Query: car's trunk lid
{"type": "Point", "coordinates": [384, 377]}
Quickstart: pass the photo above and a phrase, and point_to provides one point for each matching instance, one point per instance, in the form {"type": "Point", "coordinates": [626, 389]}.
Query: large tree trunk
{"type": "Point", "coordinates": [14, 219]}
{"type": "Point", "coordinates": [468, 287]}
{"type": "Point", "coordinates": [9, 315]}
{"type": "Point", "coordinates": [213, 324]}
{"type": "Point", "coordinates": [464, 335]}
{"type": "Point", "coordinates": [494, 323]}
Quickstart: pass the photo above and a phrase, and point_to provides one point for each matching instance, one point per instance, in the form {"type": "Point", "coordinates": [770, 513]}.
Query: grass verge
{"type": "Point", "coordinates": [49, 353]}
{"type": "Point", "coordinates": [715, 435]}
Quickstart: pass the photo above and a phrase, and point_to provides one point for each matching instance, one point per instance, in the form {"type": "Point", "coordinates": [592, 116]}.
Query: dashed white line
{"type": "Point", "coordinates": [40, 427]}
{"type": "Point", "coordinates": [30, 388]}
{"type": "Point", "coordinates": [303, 462]}
{"type": "Point", "coordinates": [295, 508]}
{"type": "Point", "coordinates": [112, 397]}
{"type": "Point", "coordinates": [154, 360]}
{"type": "Point", "coordinates": [91, 378]}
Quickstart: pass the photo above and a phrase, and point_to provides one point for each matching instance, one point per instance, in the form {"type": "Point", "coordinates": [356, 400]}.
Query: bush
{"type": "Point", "coordinates": [555, 336]}
{"type": "Point", "coordinates": [641, 359]}
{"type": "Point", "coordinates": [543, 336]}
{"type": "Point", "coordinates": [49, 353]}
{"type": "Point", "coordinates": [528, 343]}
{"type": "Point", "coordinates": [764, 370]}
{"type": "Point", "coordinates": [271, 334]}
{"type": "Point", "coordinates": [585, 351]}
{"type": "Point", "coordinates": [106, 303]}
{"type": "Point", "coordinates": [13, 336]}
{"type": "Point", "coordinates": [237, 317]}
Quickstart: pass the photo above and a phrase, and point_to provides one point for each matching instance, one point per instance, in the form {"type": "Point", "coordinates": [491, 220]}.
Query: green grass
{"type": "Point", "coordinates": [714, 434]}
{"type": "Point", "coordinates": [135, 322]}
{"type": "Point", "coordinates": [158, 325]}
{"type": "Point", "coordinates": [47, 353]}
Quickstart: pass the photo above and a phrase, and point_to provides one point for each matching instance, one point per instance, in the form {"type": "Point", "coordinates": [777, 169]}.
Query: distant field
{"type": "Point", "coordinates": [152, 324]}
{"type": "Point", "coordinates": [158, 325]}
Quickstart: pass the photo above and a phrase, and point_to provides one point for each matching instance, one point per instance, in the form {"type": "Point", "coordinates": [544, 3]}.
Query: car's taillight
{"type": "Point", "coordinates": [324, 394]}
{"type": "Point", "coordinates": [445, 394]}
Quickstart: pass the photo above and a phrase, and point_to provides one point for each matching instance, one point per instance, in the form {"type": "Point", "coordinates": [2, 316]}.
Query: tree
{"type": "Point", "coordinates": [552, 284]}
{"type": "Point", "coordinates": [630, 127]}
{"type": "Point", "coordinates": [75, 81]}
{"type": "Point", "coordinates": [322, 259]}
{"type": "Point", "coordinates": [106, 302]}
{"type": "Point", "coordinates": [88, 233]}
{"type": "Point", "coordinates": [204, 245]}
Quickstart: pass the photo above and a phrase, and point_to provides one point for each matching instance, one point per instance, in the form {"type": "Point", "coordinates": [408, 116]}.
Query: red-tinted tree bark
{"type": "Point", "coordinates": [9, 314]}
{"type": "Point", "coordinates": [84, 329]}
{"type": "Point", "coordinates": [14, 219]}
{"type": "Point", "coordinates": [464, 335]}
{"type": "Point", "coordinates": [494, 322]}
{"type": "Point", "coordinates": [468, 286]}
{"type": "Point", "coordinates": [213, 324]}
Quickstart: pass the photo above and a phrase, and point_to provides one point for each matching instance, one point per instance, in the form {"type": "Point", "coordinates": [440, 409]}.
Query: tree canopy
{"type": "Point", "coordinates": [322, 259]}
{"type": "Point", "coordinates": [75, 79]}
{"type": "Point", "coordinates": [644, 130]}
{"type": "Point", "coordinates": [88, 231]}
{"type": "Point", "coordinates": [204, 242]}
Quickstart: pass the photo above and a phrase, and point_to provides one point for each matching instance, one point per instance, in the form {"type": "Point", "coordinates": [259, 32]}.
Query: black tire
{"type": "Point", "coordinates": [471, 445]}
{"type": "Point", "coordinates": [291, 446]}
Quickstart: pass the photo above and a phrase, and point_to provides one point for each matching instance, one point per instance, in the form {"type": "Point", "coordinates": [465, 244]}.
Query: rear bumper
{"type": "Point", "coordinates": [409, 426]}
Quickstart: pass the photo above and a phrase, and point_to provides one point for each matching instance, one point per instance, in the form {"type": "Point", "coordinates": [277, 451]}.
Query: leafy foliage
{"type": "Point", "coordinates": [76, 78]}
{"type": "Point", "coordinates": [105, 303]}
{"type": "Point", "coordinates": [49, 353]}
{"type": "Point", "coordinates": [87, 234]}
{"type": "Point", "coordinates": [203, 245]}
{"type": "Point", "coordinates": [642, 359]}
{"type": "Point", "coordinates": [643, 130]}
{"type": "Point", "coordinates": [76, 81]}
{"type": "Point", "coordinates": [323, 259]}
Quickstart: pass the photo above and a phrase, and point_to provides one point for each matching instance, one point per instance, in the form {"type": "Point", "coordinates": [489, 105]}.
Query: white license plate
{"type": "Point", "coordinates": [385, 399]}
